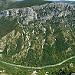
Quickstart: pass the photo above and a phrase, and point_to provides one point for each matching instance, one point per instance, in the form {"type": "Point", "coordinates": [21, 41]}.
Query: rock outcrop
{"type": "Point", "coordinates": [43, 12]}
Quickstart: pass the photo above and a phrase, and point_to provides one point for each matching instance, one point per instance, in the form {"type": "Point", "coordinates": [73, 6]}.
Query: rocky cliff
{"type": "Point", "coordinates": [46, 11]}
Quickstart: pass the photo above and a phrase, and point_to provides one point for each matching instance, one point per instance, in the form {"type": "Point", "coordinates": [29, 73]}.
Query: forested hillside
{"type": "Point", "coordinates": [37, 36]}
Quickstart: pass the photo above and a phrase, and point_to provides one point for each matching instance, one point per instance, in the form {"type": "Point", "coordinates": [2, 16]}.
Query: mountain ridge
{"type": "Point", "coordinates": [42, 39]}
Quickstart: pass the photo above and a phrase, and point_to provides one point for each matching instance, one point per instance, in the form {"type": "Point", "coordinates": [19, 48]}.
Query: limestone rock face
{"type": "Point", "coordinates": [43, 12]}
{"type": "Point", "coordinates": [25, 14]}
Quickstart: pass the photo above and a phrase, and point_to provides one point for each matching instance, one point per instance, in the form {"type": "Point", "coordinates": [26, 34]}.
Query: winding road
{"type": "Point", "coordinates": [37, 67]}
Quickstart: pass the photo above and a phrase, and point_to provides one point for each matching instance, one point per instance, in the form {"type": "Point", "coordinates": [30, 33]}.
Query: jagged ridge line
{"type": "Point", "coordinates": [37, 67]}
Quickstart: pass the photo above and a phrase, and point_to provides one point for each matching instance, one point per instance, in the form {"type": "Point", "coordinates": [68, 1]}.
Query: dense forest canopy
{"type": "Point", "coordinates": [6, 4]}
